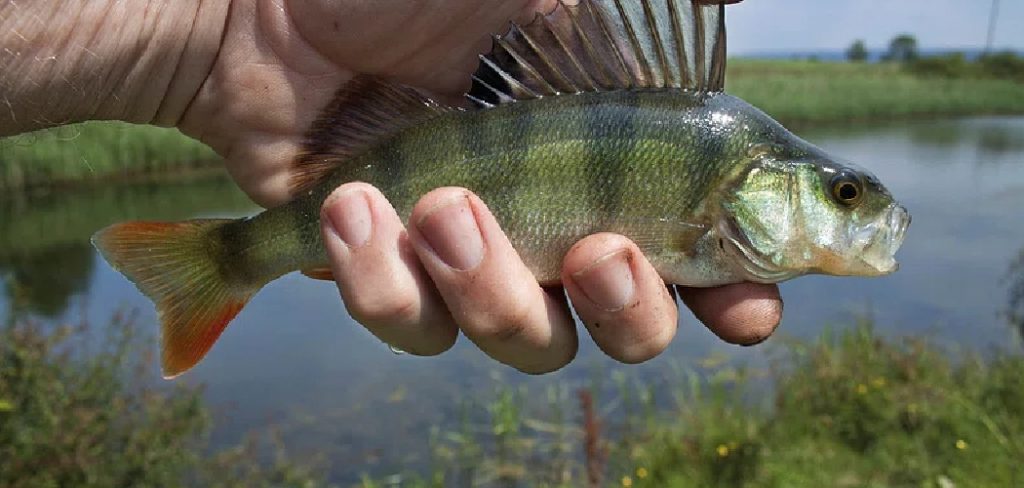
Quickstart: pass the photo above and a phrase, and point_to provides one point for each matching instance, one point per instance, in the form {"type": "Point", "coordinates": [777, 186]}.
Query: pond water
{"type": "Point", "coordinates": [294, 358]}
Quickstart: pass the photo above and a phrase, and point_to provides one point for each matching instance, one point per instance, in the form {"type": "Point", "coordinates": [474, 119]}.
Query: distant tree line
{"type": "Point", "coordinates": [903, 49]}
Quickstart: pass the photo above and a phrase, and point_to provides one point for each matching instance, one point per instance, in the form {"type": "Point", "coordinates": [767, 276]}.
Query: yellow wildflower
{"type": "Point", "coordinates": [961, 444]}
{"type": "Point", "coordinates": [723, 450]}
{"type": "Point", "coordinates": [862, 389]}
{"type": "Point", "coordinates": [641, 472]}
{"type": "Point", "coordinates": [627, 481]}
{"type": "Point", "coordinates": [878, 382]}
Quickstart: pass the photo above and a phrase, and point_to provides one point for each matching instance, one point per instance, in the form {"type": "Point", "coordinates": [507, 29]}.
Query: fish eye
{"type": "Point", "coordinates": [847, 188]}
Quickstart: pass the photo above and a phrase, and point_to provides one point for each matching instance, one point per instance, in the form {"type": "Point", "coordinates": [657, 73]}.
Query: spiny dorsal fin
{"type": "Point", "coordinates": [602, 45]}
{"type": "Point", "coordinates": [363, 112]}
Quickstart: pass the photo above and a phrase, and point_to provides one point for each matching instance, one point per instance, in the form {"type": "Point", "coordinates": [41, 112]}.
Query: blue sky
{"type": "Point", "coordinates": [802, 25]}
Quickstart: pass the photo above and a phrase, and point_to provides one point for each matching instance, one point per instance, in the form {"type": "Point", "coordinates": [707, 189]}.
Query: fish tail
{"type": "Point", "coordinates": [176, 265]}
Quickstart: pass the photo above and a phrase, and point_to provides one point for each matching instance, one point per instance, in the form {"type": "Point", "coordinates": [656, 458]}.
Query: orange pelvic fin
{"type": "Point", "coordinates": [324, 274]}
{"type": "Point", "coordinates": [174, 266]}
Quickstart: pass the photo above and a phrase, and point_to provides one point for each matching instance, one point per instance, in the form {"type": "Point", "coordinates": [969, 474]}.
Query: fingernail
{"type": "Point", "coordinates": [608, 282]}
{"type": "Point", "coordinates": [348, 214]}
{"type": "Point", "coordinates": [451, 231]}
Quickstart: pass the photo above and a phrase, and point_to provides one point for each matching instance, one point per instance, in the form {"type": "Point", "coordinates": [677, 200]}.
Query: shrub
{"type": "Point", "coordinates": [953, 65]}
{"type": "Point", "coordinates": [75, 415]}
{"type": "Point", "coordinates": [1005, 65]}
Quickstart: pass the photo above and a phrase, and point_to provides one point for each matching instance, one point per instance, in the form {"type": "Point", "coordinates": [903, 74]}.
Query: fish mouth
{"type": "Point", "coordinates": [880, 240]}
{"type": "Point", "coordinates": [752, 265]}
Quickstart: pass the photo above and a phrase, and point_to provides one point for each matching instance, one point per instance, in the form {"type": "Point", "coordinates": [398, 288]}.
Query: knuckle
{"type": "Point", "coordinates": [388, 309]}
{"type": "Point", "coordinates": [505, 324]}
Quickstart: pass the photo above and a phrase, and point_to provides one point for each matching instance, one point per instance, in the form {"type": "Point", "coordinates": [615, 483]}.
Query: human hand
{"type": "Point", "coordinates": [253, 78]}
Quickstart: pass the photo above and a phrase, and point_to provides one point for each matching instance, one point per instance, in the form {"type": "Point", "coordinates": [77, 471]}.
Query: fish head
{"type": "Point", "coordinates": [788, 217]}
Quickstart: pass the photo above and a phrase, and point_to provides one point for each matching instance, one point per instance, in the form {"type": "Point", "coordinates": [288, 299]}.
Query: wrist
{"type": "Point", "coordinates": [136, 60]}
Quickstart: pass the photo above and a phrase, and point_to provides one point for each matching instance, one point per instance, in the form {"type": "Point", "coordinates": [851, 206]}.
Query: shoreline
{"type": "Point", "coordinates": [799, 94]}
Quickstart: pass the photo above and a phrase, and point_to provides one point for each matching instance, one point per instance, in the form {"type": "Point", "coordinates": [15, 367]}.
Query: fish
{"type": "Point", "coordinates": [601, 116]}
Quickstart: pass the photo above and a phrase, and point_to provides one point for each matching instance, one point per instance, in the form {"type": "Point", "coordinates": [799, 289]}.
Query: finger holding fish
{"type": "Point", "coordinates": [744, 313]}
{"type": "Point", "coordinates": [617, 293]}
{"type": "Point", "coordinates": [381, 281]}
{"type": "Point", "coordinates": [490, 292]}
{"type": "Point", "coordinates": [619, 297]}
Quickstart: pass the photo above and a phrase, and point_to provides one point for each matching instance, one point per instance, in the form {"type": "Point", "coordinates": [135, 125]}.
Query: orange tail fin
{"type": "Point", "coordinates": [173, 265]}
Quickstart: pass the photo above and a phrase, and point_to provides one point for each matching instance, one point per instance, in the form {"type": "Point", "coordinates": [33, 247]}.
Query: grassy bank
{"type": "Point", "coordinates": [99, 151]}
{"type": "Point", "coordinates": [806, 92]}
{"type": "Point", "coordinates": [795, 92]}
{"type": "Point", "coordinates": [849, 410]}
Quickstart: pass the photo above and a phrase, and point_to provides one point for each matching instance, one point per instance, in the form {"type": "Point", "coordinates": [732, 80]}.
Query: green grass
{"type": "Point", "coordinates": [857, 411]}
{"type": "Point", "coordinates": [806, 92]}
{"type": "Point", "coordinates": [98, 151]}
{"type": "Point", "coordinates": [850, 410]}
{"type": "Point", "coordinates": [795, 92]}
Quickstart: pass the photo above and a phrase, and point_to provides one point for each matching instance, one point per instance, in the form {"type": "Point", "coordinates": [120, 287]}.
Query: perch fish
{"type": "Point", "coordinates": [605, 116]}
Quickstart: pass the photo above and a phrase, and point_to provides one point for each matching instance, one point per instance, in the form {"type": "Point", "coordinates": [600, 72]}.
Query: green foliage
{"type": "Point", "coordinates": [954, 65]}
{"type": "Point", "coordinates": [858, 52]}
{"type": "Point", "coordinates": [1001, 66]}
{"type": "Point", "coordinates": [1006, 65]}
{"type": "Point", "coordinates": [859, 411]}
{"type": "Point", "coordinates": [902, 49]}
{"type": "Point", "coordinates": [76, 415]}
{"type": "Point", "coordinates": [797, 92]}
{"type": "Point", "coordinates": [98, 151]}
{"type": "Point", "coordinates": [854, 410]}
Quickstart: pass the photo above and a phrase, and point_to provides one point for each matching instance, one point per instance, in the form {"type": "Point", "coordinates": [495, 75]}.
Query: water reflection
{"type": "Point", "coordinates": [293, 356]}
{"type": "Point", "coordinates": [1015, 309]}
{"type": "Point", "coordinates": [42, 282]}
{"type": "Point", "coordinates": [984, 140]}
{"type": "Point", "coordinates": [45, 255]}
{"type": "Point", "coordinates": [989, 136]}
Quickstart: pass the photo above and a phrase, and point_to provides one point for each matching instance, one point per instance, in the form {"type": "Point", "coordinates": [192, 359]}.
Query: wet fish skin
{"type": "Point", "coordinates": [643, 164]}
{"type": "Point", "coordinates": [685, 175]}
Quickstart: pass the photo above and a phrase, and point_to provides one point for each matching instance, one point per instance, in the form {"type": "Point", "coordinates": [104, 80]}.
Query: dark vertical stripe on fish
{"type": "Point", "coordinates": [391, 170]}
{"type": "Point", "coordinates": [515, 128]}
{"type": "Point", "coordinates": [611, 138]}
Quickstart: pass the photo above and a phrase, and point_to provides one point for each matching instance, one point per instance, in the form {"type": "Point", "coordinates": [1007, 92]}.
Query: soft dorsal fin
{"type": "Point", "coordinates": [363, 112]}
{"type": "Point", "coordinates": [602, 45]}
